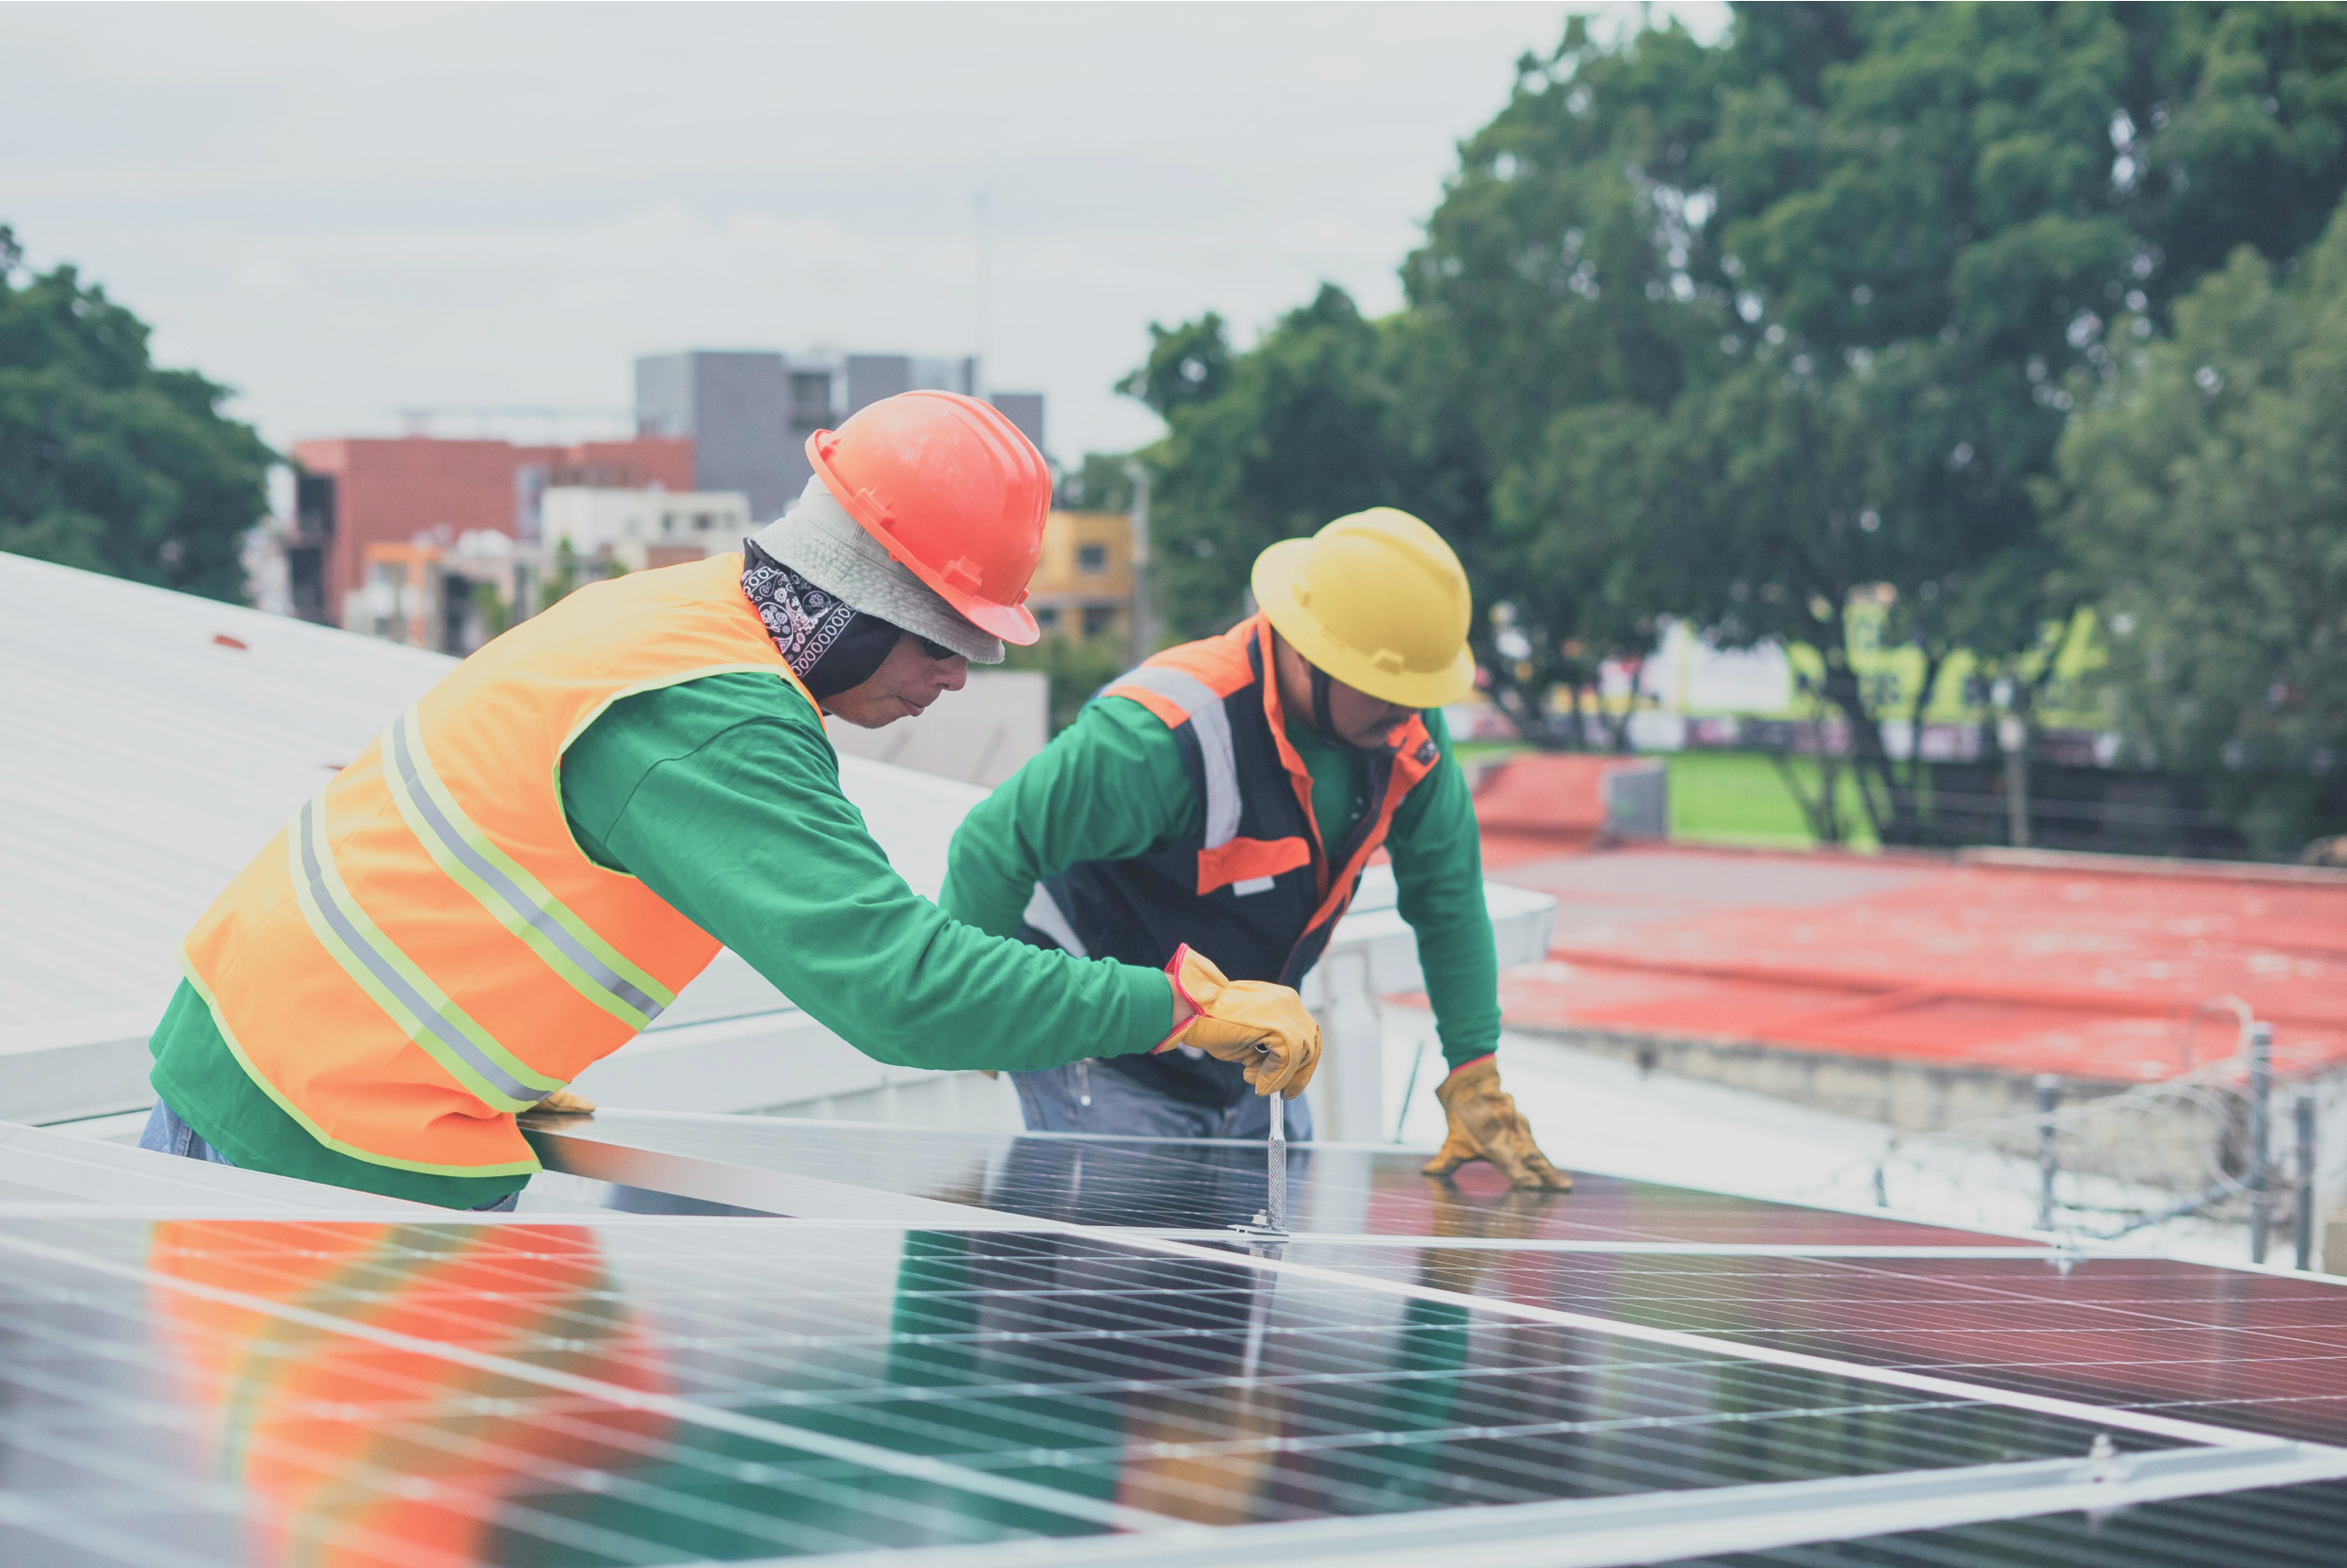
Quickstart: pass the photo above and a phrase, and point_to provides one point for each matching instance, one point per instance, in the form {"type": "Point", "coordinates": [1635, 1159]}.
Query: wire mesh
{"type": "Point", "coordinates": [2208, 1151]}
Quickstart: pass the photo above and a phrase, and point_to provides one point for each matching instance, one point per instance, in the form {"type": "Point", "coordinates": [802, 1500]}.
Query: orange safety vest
{"type": "Point", "coordinates": [424, 950]}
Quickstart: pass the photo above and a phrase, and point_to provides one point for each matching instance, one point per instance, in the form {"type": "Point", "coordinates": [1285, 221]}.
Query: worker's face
{"type": "Point", "coordinates": [914, 674]}
{"type": "Point", "coordinates": [1361, 719]}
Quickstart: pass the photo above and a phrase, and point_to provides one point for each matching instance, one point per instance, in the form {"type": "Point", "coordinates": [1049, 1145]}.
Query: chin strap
{"type": "Point", "coordinates": [1321, 720]}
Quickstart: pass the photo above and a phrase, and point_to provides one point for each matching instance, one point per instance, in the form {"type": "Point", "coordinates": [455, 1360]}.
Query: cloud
{"type": "Point", "coordinates": [346, 210]}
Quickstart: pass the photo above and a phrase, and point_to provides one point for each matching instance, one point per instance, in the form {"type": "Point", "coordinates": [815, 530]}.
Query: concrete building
{"type": "Point", "coordinates": [448, 596]}
{"type": "Point", "coordinates": [1023, 410]}
{"type": "Point", "coordinates": [1083, 586]}
{"type": "Point", "coordinates": [749, 412]}
{"type": "Point", "coordinates": [637, 529]}
{"type": "Point", "coordinates": [352, 493]}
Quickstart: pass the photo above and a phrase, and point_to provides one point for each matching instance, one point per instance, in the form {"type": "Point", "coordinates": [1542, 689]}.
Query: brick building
{"type": "Point", "coordinates": [354, 493]}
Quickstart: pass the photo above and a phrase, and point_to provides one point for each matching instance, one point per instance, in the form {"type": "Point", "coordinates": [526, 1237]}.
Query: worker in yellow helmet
{"type": "Point", "coordinates": [1227, 794]}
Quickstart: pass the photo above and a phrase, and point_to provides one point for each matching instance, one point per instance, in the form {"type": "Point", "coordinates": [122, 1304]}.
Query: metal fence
{"type": "Point", "coordinates": [2229, 1147]}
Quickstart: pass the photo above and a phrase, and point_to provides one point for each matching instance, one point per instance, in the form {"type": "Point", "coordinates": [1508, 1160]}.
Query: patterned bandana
{"type": "Point", "coordinates": [828, 642]}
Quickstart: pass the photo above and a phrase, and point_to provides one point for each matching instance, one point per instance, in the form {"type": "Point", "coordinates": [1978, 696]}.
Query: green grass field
{"type": "Point", "coordinates": [1734, 797]}
{"type": "Point", "coordinates": [1739, 797]}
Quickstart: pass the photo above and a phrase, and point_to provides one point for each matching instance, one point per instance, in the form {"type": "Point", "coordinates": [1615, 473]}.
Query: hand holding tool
{"type": "Point", "coordinates": [1486, 1124]}
{"type": "Point", "coordinates": [564, 1102]}
{"type": "Point", "coordinates": [1264, 1025]}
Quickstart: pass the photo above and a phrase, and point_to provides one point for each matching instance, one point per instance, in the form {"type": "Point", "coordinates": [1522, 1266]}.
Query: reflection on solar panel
{"type": "Point", "coordinates": [1204, 1185]}
{"type": "Point", "coordinates": [2230, 1347]}
{"type": "Point", "coordinates": [997, 1350]}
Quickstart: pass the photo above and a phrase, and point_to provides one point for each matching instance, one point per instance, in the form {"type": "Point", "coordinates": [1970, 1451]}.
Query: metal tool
{"type": "Point", "coordinates": [1276, 1188]}
{"type": "Point", "coordinates": [1271, 1219]}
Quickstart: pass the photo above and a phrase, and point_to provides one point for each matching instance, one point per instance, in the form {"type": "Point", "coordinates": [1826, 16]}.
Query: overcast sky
{"type": "Point", "coordinates": [344, 211]}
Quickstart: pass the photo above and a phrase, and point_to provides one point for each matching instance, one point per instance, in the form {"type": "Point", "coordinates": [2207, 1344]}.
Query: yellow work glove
{"type": "Point", "coordinates": [563, 1103]}
{"type": "Point", "coordinates": [1486, 1124]}
{"type": "Point", "coordinates": [1255, 1022]}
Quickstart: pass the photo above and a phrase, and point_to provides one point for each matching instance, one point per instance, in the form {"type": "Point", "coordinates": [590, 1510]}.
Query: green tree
{"type": "Point", "coordinates": [1573, 567]}
{"type": "Point", "coordinates": [1264, 446]}
{"type": "Point", "coordinates": [1847, 260]}
{"type": "Point", "coordinates": [108, 462]}
{"type": "Point", "coordinates": [1550, 330]}
{"type": "Point", "coordinates": [1741, 332]}
{"type": "Point", "coordinates": [1100, 483]}
{"type": "Point", "coordinates": [2204, 497]}
{"type": "Point", "coordinates": [1187, 364]}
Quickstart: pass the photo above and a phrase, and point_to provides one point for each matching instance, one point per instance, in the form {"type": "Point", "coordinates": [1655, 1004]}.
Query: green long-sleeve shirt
{"type": "Point", "coordinates": [1112, 786]}
{"type": "Point", "coordinates": [727, 804]}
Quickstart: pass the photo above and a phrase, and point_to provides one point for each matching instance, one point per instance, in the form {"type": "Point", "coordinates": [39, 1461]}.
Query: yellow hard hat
{"type": "Point", "coordinates": [1378, 602]}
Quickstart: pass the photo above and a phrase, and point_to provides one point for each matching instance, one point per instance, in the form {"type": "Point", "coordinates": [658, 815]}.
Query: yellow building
{"type": "Point", "coordinates": [1083, 586]}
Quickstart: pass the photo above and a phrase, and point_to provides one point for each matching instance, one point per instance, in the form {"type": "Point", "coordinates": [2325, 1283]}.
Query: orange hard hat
{"type": "Point", "coordinates": [954, 491]}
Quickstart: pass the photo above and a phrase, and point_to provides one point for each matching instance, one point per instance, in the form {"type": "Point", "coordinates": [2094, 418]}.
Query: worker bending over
{"type": "Point", "coordinates": [532, 861]}
{"type": "Point", "coordinates": [1227, 794]}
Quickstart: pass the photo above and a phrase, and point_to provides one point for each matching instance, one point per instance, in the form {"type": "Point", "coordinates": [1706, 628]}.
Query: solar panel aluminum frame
{"type": "Point", "coordinates": [587, 1147]}
{"type": "Point", "coordinates": [778, 1192]}
{"type": "Point", "coordinates": [1661, 1527]}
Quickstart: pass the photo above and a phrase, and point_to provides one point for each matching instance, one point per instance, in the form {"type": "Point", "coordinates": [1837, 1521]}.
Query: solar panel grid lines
{"type": "Point", "coordinates": [912, 1466]}
{"type": "Point", "coordinates": [2137, 1421]}
{"type": "Point", "coordinates": [2250, 1349]}
{"type": "Point", "coordinates": [1127, 1332]}
{"type": "Point", "coordinates": [1428, 1365]}
{"type": "Point", "coordinates": [395, 1420]}
{"type": "Point", "coordinates": [1069, 1363]}
{"type": "Point", "coordinates": [1783, 1525]}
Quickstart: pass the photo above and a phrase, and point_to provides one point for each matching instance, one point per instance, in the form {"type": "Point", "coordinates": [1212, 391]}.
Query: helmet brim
{"type": "Point", "coordinates": [1013, 623]}
{"type": "Point", "coordinates": [1277, 570]}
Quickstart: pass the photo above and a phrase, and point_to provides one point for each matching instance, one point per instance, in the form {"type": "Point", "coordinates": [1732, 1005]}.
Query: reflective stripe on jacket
{"type": "Point", "coordinates": [424, 951]}
{"type": "Point", "coordinates": [1255, 888]}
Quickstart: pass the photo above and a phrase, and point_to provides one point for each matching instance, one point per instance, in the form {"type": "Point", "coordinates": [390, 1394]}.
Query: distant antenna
{"type": "Point", "coordinates": [978, 200]}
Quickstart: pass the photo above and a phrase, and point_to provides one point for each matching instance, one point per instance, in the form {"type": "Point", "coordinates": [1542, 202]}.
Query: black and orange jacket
{"type": "Point", "coordinates": [1253, 886]}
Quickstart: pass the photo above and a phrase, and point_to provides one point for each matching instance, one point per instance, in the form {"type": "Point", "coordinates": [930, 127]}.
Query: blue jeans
{"type": "Point", "coordinates": [1086, 1097]}
{"type": "Point", "coordinates": [165, 1134]}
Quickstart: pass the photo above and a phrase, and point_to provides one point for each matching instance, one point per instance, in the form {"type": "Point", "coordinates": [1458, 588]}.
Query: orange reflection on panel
{"type": "Point", "coordinates": [354, 1453]}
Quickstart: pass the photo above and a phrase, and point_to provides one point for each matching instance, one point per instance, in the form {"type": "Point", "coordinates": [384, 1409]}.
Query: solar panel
{"type": "Point", "coordinates": [646, 1391]}
{"type": "Point", "coordinates": [1196, 1184]}
{"type": "Point", "coordinates": [2231, 1347]}
{"type": "Point", "coordinates": [1046, 1351]}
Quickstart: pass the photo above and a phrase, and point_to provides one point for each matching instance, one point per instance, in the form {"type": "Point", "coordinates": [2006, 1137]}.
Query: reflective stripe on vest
{"type": "Point", "coordinates": [1259, 835]}
{"type": "Point", "coordinates": [423, 1013]}
{"type": "Point", "coordinates": [520, 902]}
{"type": "Point", "coordinates": [429, 950]}
{"type": "Point", "coordinates": [1211, 723]}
